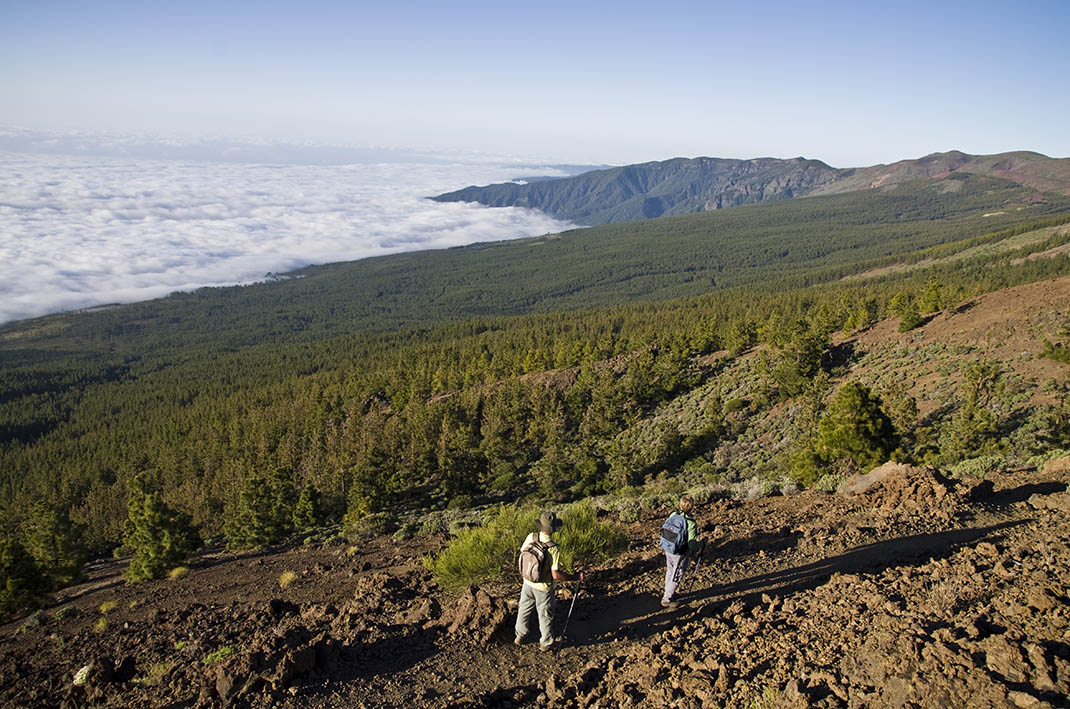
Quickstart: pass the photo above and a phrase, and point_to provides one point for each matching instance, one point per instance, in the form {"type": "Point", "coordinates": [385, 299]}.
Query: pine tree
{"type": "Point", "coordinates": [22, 583]}
{"type": "Point", "coordinates": [933, 298]}
{"type": "Point", "coordinates": [264, 511]}
{"type": "Point", "coordinates": [741, 336]}
{"type": "Point", "coordinates": [855, 427]}
{"type": "Point", "coordinates": [974, 428]}
{"type": "Point", "coordinates": [159, 536]}
{"type": "Point", "coordinates": [800, 358]}
{"type": "Point", "coordinates": [863, 315]}
{"type": "Point", "coordinates": [904, 307]}
{"type": "Point", "coordinates": [307, 510]}
{"type": "Point", "coordinates": [54, 542]}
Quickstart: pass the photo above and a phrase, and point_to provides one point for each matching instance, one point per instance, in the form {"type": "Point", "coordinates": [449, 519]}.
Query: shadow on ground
{"type": "Point", "coordinates": [634, 615]}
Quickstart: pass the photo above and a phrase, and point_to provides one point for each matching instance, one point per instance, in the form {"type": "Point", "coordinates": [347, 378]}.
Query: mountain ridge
{"type": "Point", "coordinates": [688, 185]}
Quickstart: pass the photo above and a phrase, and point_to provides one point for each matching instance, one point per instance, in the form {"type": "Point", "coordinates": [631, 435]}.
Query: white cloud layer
{"type": "Point", "coordinates": [82, 231]}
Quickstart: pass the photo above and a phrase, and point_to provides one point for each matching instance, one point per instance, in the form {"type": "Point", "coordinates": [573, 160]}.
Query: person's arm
{"type": "Point", "coordinates": [558, 573]}
{"type": "Point", "coordinates": [694, 544]}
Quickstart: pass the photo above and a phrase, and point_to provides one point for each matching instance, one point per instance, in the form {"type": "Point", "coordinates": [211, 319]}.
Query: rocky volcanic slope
{"type": "Point", "coordinates": [906, 589]}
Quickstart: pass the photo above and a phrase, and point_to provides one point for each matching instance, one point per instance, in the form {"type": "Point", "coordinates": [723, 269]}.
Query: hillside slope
{"type": "Point", "coordinates": [611, 265]}
{"type": "Point", "coordinates": [916, 591]}
{"type": "Point", "coordinates": [682, 185]}
{"type": "Point", "coordinates": [655, 189]}
{"type": "Point", "coordinates": [1023, 167]}
{"type": "Point", "coordinates": [908, 587]}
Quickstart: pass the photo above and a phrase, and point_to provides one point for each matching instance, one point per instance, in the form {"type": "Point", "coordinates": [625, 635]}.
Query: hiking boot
{"type": "Point", "coordinates": [546, 648]}
{"type": "Point", "coordinates": [669, 604]}
{"type": "Point", "coordinates": [518, 641]}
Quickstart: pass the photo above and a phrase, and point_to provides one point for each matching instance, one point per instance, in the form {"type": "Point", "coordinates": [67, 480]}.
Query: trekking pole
{"type": "Point", "coordinates": [574, 596]}
{"type": "Point", "coordinates": [694, 572]}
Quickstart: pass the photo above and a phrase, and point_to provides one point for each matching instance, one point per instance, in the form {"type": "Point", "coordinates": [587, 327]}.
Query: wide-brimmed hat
{"type": "Point", "coordinates": [549, 522]}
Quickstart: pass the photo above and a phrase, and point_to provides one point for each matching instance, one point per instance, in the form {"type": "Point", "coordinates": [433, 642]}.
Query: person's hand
{"type": "Point", "coordinates": [581, 577]}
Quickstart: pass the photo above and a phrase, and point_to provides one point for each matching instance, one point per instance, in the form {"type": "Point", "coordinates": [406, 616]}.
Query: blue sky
{"type": "Point", "coordinates": [851, 83]}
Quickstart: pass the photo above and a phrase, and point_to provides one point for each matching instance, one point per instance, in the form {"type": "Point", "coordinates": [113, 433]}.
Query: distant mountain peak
{"type": "Point", "coordinates": [683, 185]}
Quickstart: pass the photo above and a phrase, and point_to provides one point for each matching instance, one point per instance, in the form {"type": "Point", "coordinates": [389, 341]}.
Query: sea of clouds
{"type": "Point", "coordinates": [79, 230]}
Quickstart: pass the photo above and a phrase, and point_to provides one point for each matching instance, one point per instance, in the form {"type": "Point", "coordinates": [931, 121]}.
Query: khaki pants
{"type": "Point", "coordinates": [675, 568]}
{"type": "Point", "coordinates": [543, 603]}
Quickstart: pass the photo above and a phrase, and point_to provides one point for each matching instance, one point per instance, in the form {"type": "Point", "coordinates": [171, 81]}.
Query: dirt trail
{"type": "Point", "coordinates": [915, 590]}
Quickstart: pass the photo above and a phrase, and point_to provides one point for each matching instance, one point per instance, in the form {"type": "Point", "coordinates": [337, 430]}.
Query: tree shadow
{"type": "Point", "coordinates": [631, 570]}
{"type": "Point", "coordinates": [770, 542]}
{"type": "Point", "coordinates": [870, 558]}
{"type": "Point", "coordinates": [217, 556]}
{"type": "Point", "coordinates": [630, 614]}
{"type": "Point", "coordinates": [1022, 493]}
{"type": "Point", "coordinates": [839, 355]}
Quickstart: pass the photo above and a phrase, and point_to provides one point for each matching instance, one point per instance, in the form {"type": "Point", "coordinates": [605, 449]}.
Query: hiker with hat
{"type": "Point", "coordinates": [679, 540]}
{"type": "Point", "coordinates": [539, 562]}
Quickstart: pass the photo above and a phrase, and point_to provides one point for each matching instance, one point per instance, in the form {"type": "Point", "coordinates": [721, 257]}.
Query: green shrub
{"type": "Point", "coordinates": [584, 540]}
{"type": "Point", "coordinates": [770, 698]}
{"type": "Point", "coordinates": [66, 612]}
{"type": "Point", "coordinates": [37, 619]}
{"type": "Point", "coordinates": [220, 654]}
{"type": "Point", "coordinates": [790, 488]}
{"type": "Point", "coordinates": [703, 495]}
{"type": "Point", "coordinates": [1042, 458]}
{"type": "Point", "coordinates": [754, 488]}
{"type": "Point", "coordinates": [287, 578]}
{"type": "Point", "coordinates": [659, 501]}
{"type": "Point", "coordinates": [978, 467]}
{"type": "Point", "coordinates": [628, 513]}
{"type": "Point", "coordinates": [489, 552]}
{"type": "Point", "coordinates": [460, 502]}
{"type": "Point", "coordinates": [108, 606]}
{"type": "Point", "coordinates": [406, 531]}
{"type": "Point", "coordinates": [155, 674]}
{"type": "Point", "coordinates": [370, 525]}
{"type": "Point", "coordinates": [433, 522]}
{"type": "Point", "coordinates": [1057, 352]}
{"type": "Point", "coordinates": [828, 483]}
{"type": "Point", "coordinates": [482, 553]}
{"type": "Point", "coordinates": [734, 405]}
{"type": "Point", "coordinates": [178, 572]}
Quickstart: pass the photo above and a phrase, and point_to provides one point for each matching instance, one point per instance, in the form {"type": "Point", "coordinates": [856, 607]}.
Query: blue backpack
{"type": "Point", "coordinates": [674, 534]}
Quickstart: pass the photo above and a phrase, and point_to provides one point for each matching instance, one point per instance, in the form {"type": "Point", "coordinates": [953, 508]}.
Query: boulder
{"type": "Point", "coordinates": [1060, 502]}
{"type": "Point", "coordinates": [860, 483]}
{"type": "Point", "coordinates": [478, 614]}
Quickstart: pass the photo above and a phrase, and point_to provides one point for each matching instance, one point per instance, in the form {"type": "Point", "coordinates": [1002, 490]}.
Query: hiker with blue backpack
{"type": "Point", "coordinates": [539, 563]}
{"type": "Point", "coordinates": [679, 540]}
